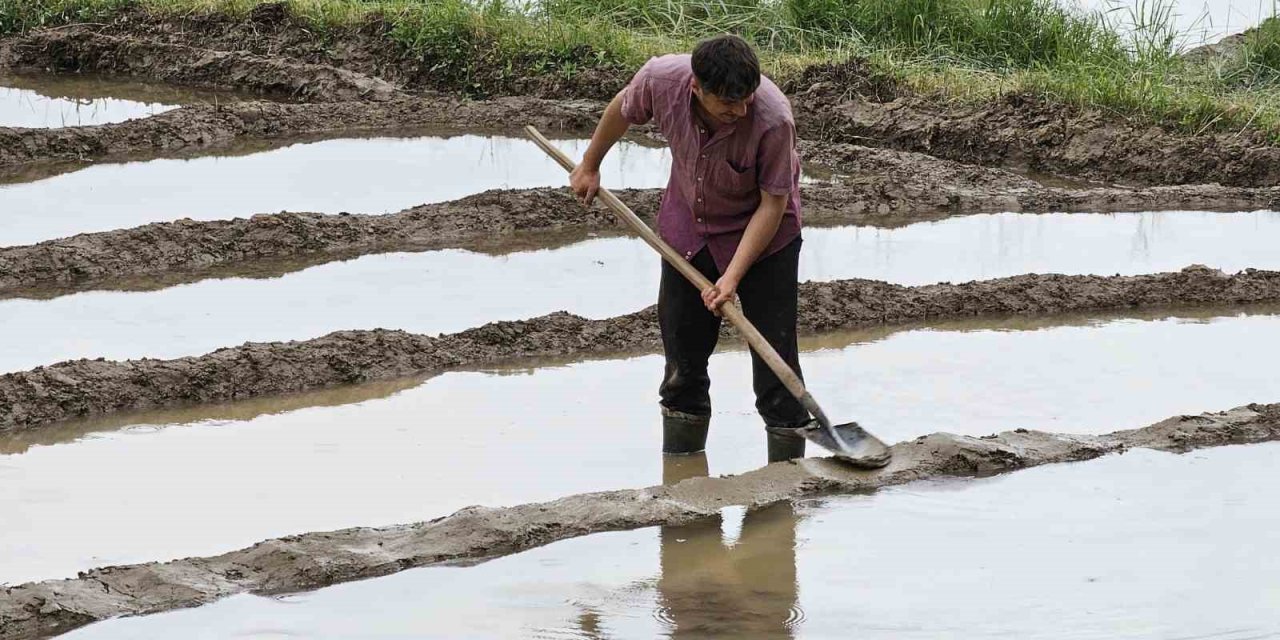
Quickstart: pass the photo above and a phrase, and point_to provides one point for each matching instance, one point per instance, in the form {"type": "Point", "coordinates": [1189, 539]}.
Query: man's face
{"type": "Point", "coordinates": [721, 110]}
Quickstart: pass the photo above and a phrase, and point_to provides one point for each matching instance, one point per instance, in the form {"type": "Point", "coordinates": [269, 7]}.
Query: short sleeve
{"type": "Point", "coordinates": [637, 98]}
{"type": "Point", "coordinates": [776, 159]}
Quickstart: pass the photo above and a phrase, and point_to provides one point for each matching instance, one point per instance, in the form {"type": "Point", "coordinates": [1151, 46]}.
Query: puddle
{"type": "Point", "coordinates": [419, 292]}
{"type": "Point", "coordinates": [1141, 545]}
{"type": "Point", "coordinates": [74, 100]}
{"type": "Point", "coordinates": [358, 175]}
{"type": "Point", "coordinates": [156, 491]}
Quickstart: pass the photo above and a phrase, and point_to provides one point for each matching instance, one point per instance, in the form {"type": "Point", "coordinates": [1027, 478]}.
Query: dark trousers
{"type": "Point", "coordinates": [689, 333]}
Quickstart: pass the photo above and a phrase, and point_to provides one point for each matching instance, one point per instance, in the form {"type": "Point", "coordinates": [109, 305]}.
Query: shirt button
{"type": "Point", "coordinates": [699, 199]}
{"type": "Point", "coordinates": [699, 219]}
{"type": "Point", "coordinates": [699, 178]}
{"type": "Point", "coordinates": [704, 156]}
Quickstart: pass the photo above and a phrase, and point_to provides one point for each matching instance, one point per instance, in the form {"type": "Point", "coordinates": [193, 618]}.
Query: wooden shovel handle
{"type": "Point", "coordinates": [730, 311]}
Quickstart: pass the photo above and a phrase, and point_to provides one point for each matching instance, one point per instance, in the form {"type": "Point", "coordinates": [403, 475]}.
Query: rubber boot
{"type": "Point", "coordinates": [683, 433]}
{"type": "Point", "coordinates": [784, 443]}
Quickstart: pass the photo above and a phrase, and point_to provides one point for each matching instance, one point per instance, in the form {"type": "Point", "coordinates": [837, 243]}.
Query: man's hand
{"type": "Point", "coordinates": [719, 293]}
{"type": "Point", "coordinates": [585, 182]}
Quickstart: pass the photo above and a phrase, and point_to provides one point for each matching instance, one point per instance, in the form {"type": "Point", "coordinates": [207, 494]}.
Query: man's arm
{"type": "Point", "coordinates": [585, 178]}
{"type": "Point", "coordinates": [758, 234]}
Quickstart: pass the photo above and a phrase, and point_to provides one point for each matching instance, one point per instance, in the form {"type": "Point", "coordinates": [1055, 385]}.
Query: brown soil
{"type": "Point", "coordinates": [84, 388]}
{"type": "Point", "coordinates": [315, 560]}
{"type": "Point", "coordinates": [884, 188]}
{"type": "Point", "coordinates": [1028, 133]}
{"type": "Point", "coordinates": [846, 103]}
{"type": "Point", "coordinates": [81, 49]}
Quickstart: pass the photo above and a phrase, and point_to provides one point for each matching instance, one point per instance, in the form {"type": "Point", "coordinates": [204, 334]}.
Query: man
{"type": "Point", "coordinates": [732, 209]}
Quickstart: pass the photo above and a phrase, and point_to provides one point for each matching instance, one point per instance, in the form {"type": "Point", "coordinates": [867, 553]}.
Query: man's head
{"type": "Point", "coordinates": [726, 74]}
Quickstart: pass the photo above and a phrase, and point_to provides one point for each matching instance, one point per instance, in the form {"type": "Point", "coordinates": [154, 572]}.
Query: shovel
{"type": "Point", "coordinates": [847, 441]}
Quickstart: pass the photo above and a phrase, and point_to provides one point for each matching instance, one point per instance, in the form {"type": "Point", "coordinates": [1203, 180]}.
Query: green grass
{"type": "Point", "coordinates": [961, 50]}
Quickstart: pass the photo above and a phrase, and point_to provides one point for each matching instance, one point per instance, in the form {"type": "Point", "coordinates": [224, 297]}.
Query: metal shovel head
{"type": "Point", "coordinates": [850, 443]}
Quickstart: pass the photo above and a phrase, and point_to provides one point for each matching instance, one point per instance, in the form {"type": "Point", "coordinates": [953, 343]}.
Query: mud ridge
{"type": "Point", "coordinates": [206, 126]}
{"type": "Point", "coordinates": [82, 49]}
{"type": "Point", "coordinates": [884, 189]}
{"type": "Point", "coordinates": [84, 388]}
{"type": "Point", "coordinates": [315, 560]}
{"type": "Point", "coordinates": [1025, 132]}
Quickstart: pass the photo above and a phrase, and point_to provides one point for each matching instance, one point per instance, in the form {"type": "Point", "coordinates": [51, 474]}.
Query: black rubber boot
{"type": "Point", "coordinates": [784, 443]}
{"type": "Point", "coordinates": [683, 433]}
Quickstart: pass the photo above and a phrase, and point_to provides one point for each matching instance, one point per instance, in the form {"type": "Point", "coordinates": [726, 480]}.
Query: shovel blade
{"type": "Point", "coordinates": [850, 443]}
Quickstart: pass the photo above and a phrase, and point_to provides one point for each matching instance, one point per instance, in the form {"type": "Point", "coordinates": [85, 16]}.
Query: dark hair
{"type": "Point", "coordinates": [727, 67]}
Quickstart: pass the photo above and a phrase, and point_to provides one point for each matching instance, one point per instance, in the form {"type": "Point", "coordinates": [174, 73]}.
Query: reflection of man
{"type": "Point", "coordinates": [747, 590]}
{"type": "Point", "coordinates": [732, 209]}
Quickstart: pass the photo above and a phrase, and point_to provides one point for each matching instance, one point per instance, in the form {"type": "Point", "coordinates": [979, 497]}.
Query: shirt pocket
{"type": "Point", "coordinates": [735, 179]}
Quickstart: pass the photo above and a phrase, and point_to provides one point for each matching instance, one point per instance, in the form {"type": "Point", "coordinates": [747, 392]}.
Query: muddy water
{"type": "Point", "coordinates": [359, 175]}
{"type": "Point", "coordinates": [420, 292]}
{"type": "Point", "coordinates": [173, 486]}
{"type": "Point", "coordinates": [71, 101]}
{"type": "Point", "coordinates": [1142, 545]}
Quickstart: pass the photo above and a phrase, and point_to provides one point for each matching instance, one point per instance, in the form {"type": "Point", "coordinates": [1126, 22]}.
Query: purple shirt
{"type": "Point", "coordinates": [716, 179]}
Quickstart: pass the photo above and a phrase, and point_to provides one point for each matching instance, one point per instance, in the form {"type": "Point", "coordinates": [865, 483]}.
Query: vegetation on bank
{"type": "Point", "coordinates": [1126, 61]}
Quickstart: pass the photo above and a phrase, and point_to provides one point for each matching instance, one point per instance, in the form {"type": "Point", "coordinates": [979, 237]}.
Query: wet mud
{"type": "Point", "coordinates": [81, 49]}
{"type": "Point", "coordinates": [212, 126]}
{"type": "Point", "coordinates": [314, 560]}
{"type": "Point", "coordinates": [85, 388]}
{"type": "Point", "coordinates": [1032, 134]}
{"type": "Point", "coordinates": [891, 196]}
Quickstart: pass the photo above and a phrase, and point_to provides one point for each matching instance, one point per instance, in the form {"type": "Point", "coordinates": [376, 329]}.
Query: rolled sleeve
{"type": "Point", "coordinates": [776, 160]}
{"type": "Point", "coordinates": [637, 97]}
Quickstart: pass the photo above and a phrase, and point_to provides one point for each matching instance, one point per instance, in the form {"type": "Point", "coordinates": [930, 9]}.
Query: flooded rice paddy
{"type": "Point", "coordinates": [353, 175]}
{"type": "Point", "coordinates": [425, 293]}
{"type": "Point", "coordinates": [1141, 545]}
{"type": "Point", "coordinates": [212, 479]}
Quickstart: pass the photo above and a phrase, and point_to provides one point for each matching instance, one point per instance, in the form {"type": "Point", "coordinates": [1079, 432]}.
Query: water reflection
{"type": "Point", "coordinates": [1142, 545]}
{"type": "Point", "coordinates": [31, 108]}
{"type": "Point", "coordinates": [711, 585]}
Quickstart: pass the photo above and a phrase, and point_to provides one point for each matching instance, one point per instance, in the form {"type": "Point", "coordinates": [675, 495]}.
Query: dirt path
{"type": "Point", "coordinates": [886, 189]}
{"type": "Point", "coordinates": [314, 560]}
{"type": "Point", "coordinates": [85, 388]}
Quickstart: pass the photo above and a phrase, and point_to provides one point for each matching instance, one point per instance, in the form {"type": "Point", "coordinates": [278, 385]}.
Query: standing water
{"type": "Point", "coordinates": [356, 175]}
{"type": "Point", "coordinates": [50, 101]}
{"type": "Point", "coordinates": [212, 479]}
{"type": "Point", "coordinates": [421, 293]}
{"type": "Point", "coordinates": [1140, 545]}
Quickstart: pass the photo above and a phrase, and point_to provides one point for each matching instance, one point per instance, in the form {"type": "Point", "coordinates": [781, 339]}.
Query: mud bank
{"type": "Point", "coordinates": [315, 560]}
{"type": "Point", "coordinates": [1029, 133]}
{"type": "Point", "coordinates": [81, 48]}
{"type": "Point", "coordinates": [85, 388]}
{"type": "Point", "coordinates": [206, 126]}
{"type": "Point", "coordinates": [890, 189]}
